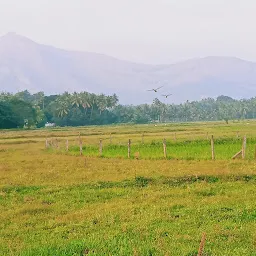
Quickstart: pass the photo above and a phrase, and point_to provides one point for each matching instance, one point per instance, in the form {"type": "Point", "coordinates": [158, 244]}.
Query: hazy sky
{"type": "Point", "coordinates": [150, 31]}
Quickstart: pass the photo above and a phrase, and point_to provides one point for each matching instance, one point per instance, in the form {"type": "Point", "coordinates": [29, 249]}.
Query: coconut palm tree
{"type": "Point", "coordinates": [85, 100]}
{"type": "Point", "coordinates": [92, 102]}
{"type": "Point", "coordinates": [62, 109]}
{"type": "Point", "coordinates": [63, 104]}
{"type": "Point", "coordinates": [101, 102]}
{"type": "Point", "coordinates": [76, 100]}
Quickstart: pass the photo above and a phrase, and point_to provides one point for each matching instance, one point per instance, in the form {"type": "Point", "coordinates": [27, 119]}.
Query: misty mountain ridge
{"type": "Point", "coordinates": [25, 64]}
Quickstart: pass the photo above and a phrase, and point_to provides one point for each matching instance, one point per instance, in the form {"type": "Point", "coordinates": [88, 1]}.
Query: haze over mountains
{"type": "Point", "coordinates": [25, 64]}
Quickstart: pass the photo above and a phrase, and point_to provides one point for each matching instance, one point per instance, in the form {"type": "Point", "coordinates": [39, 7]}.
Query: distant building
{"type": "Point", "coordinates": [50, 125]}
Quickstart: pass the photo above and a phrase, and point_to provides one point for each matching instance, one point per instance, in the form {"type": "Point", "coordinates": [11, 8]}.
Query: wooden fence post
{"type": "Point", "coordinates": [129, 148]}
{"type": "Point", "coordinates": [67, 146]}
{"type": "Point", "coordinates": [46, 144]}
{"type": "Point", "coordinates": [110, 138]}
{"type": "Point", "coordinates": [100, 147]}
{"type": "Point", "coordinates": [142, 138]}
{"type": "Point", "coordinates": [202, 244]}
{"type": "Point", "coordinates": [80, 146]}
{"type": "Point", "coordinates": [164, 145]}
{"type": "Point", "coordinates": [212, 147]}
{"type": "Point", "coordinates": [244, 147]}
{"type": "Point", "coordinates": [237, 134]}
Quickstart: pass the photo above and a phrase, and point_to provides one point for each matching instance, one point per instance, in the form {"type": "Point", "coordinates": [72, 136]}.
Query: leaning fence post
{"type": "Point", "coordinates": [164, 145]}
{"type": "Point", "coordinates": [244, 147]}
{"type": "Point", "coordinates": [212, 147]}
{"type": "Point", "coordinates": [238, 154]}
{"type": "Point", "coordinates": [100, 147]}
{"type": "Point", "coordinates": [129, 148]}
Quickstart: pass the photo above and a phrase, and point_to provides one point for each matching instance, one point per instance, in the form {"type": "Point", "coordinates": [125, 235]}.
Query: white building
{"type": "Point", "coordinates": [50, 125]}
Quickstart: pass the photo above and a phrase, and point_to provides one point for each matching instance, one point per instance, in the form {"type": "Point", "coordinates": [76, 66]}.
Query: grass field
{"type": "Point", "coordinates": [184, 150]}
{"type": "Point", "coordinates": [54, 202]}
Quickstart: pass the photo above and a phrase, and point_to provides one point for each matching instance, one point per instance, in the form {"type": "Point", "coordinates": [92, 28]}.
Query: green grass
{"type": "Point", "coordinates": [136, 217]}
{"type": "Point", "coordinates": [54, 203]}
{"type": "Point", "coordinates": [225, 149]}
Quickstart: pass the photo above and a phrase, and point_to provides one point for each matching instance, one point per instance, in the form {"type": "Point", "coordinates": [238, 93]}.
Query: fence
{"type": "Point", "coordinates": [167, 152]}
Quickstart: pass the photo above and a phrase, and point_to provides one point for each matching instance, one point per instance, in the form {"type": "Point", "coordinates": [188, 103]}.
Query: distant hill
{"type": "Point", "coordinates": [25, 64]}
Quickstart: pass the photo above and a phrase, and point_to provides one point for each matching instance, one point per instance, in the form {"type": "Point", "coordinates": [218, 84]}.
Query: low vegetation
{"type": "Point", "coordinates": [58, 203]}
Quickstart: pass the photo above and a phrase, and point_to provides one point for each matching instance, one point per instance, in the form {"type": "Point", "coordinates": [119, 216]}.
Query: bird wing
{"type": "Point", "coordinates": [159, 87]}
{"type": "Point", "coordinates": [150, 90]}
{"type": "Point", "coordinates": [168, 94]}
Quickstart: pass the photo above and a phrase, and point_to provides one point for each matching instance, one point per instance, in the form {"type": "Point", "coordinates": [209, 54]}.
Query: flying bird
{"type": "Point", "coordinates": [155, 90]}
{"type": "Point", "coordinates": [166, 95]}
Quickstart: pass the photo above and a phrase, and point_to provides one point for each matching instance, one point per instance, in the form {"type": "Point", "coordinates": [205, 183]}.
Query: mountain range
{"type": "Point", "coordinates": [25, 64]}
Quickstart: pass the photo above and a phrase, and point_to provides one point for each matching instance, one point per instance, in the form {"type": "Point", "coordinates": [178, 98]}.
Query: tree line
{"type": "Point", "coordinates": [24, 109]}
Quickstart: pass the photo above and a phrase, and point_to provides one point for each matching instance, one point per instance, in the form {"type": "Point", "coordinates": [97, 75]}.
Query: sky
{"type": "Point", "coordinates": [147, 31]}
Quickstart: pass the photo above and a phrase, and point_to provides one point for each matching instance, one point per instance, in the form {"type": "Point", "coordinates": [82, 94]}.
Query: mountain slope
{"type": "Point", "coordinates": [25, 64]}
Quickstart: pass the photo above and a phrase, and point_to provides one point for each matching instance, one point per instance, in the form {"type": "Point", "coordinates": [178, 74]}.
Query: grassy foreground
{"type": "Point", "coordinates": [53, 203]}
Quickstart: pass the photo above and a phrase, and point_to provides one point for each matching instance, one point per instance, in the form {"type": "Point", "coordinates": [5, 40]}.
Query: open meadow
{"type": "Point", "coordinates": [56, 202]}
